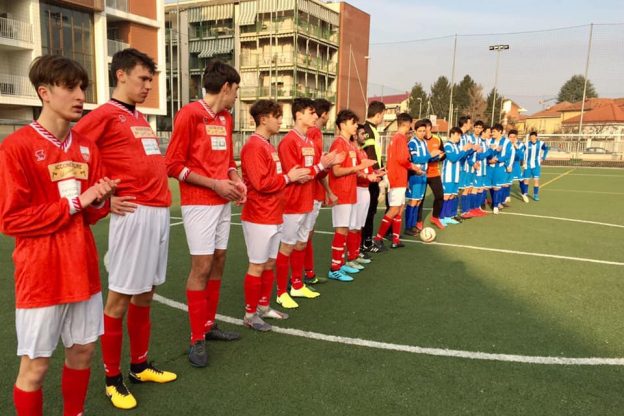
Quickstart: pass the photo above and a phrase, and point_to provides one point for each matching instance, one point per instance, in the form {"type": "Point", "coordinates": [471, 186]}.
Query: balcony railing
{"type": "Point", "coordinates": [118, 5]}
{"type": "Point", "coordinates": [115, 46]}
{"type": "Point", "coordinates": [16, 29]}
{"type": "Point", "coordinates": [16, 85]}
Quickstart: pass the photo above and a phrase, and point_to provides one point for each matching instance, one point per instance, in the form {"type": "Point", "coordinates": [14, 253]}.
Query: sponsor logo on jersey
{"type": "Point", "coordinates": [40, 155]}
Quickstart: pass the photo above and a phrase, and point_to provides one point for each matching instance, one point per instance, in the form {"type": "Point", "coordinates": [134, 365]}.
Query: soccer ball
{"type": "Point", "coordinates": [427, 234]}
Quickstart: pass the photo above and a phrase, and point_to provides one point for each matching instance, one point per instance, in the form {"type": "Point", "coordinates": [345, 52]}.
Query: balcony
{"type": "Point", "coordinates": [115, 46]}
{"type": "Point", "coordinates": [121, 5]}
{"type": "Point", "coordinates": [16, 86]}
{"type": "Point", "coordinates": [15, 30]}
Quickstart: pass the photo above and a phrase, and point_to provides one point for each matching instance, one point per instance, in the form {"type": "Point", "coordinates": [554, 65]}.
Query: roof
{"type": "Point", "coordinates": [390, 99]}
{"type": "Point", "coordinates": [552, 111]}
{"type": "Point", "coordinates": [591, 103]}
{"type": "Point", "coordinates": [441, 126]}
{"type": "Point", "coordinates": [609, 113]}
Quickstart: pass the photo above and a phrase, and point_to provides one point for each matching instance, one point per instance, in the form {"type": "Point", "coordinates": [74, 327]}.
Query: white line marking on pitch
{"type": "Point", "coordinates": [557, 178]}
{"type": "Point", "coordinates": [585, 192]}
{"type": "Point", "coordinates": [564, 219]}
{"type": "Point", "coordinates": [439, 352]}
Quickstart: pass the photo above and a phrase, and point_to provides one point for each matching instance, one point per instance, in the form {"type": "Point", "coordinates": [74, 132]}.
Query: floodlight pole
{"type": "Point", "coordinates": [580, 131]}
{"type": "Point", "coordinates": [419, 107]}
{"type": "Point", "coordinates": [498, 49]}
{"type": "Point", "coordinates": [450, 113]}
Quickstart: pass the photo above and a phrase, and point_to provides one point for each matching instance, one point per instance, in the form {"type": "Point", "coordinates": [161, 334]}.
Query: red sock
{"type": "Point", "coordinates": [267, 288]}
{"type": "Point", "coordinates": [139, 328]}
{"type": "Point", "coordinates": [28, 403]}
{"type": "Point", "coordinates": [308, 260]}
{"type": "Point", "coordinates": [196, 300]}
{"type": "Point", "coordinates": [359, 241]}
{"type": "Point", "coordinates": [338, 247]}
{"type": "Point", "coordinates": [111, 345]}
{"type": "Point", "coordinates": [386, 222]}
{"type": "Point", "coordinates": [281, 267]}
{"type": "Point", "coordinates": [213, 289]}
{"type": "Point", "coordinates": [396, 228]}
{"type": "Point", "coordinates": [253, 287]}
{"type": "Point", "coordinates": [353, 244]}
{"type": "Point", "coordinates": [74, 385]}
{"type": "Point", "coordinates": [296, 268]}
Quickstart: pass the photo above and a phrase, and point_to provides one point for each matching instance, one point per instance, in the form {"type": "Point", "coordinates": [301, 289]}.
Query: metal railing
{"type": "Point", "coordinates": [115, 46]}
{"type": "Point", "coordinates": [16, 29]}
{"type": "Point", "coordinates": [118, 5]}
{"type": "Point", "coordinates": [16, 85]}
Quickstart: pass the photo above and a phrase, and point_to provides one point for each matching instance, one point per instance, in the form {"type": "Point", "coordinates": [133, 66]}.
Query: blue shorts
{"type": "Point", "coordinates": [450, 188]}
{"type": "Point", "coordinates": [532, 172]}
{"type": "Point", "coordinates": [417, 184]}
{"type": "Point", "coordinates": [509, 176]}
{"type": "Point", "coordinates": [489, 179]}
{"type": "Point", "coordinates": [516, 173]}
{"type": "Point", "coordinates": [481, 181]}
{"type": "Point", "coordinates": [466, 179]}
{"type": "Point", "coordinates": [500, 175]}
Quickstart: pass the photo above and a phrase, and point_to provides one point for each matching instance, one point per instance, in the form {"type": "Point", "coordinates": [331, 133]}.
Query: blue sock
{"type": "Point", "coordinates": [464, 203]}
{"type": "Point", "coordinates": [444, 208]}
{"type": "Point", "coordinates": [414, 217]}
{"type": "Point", "coordinates": [535, 190]}
{"type": "Point", "coordinates": [408, 216]}
{"type": "Point", "coordinates": [522, 191]}
{"type": "Point", "coordinates": [496, 198]}
{"type": "Point", "coordinates": [455, 209]}
{"type": "Point", "coordinates": [473, 201]}
{"type": "Point", "coordinates": [492, 193]}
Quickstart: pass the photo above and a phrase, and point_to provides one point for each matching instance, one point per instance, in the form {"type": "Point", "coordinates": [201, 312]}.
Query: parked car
{"type": "Point", "coordinates": [596, 151]}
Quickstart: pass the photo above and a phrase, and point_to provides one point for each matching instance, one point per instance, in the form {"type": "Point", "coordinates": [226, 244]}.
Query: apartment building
{"type": "Point", "coordinates": [283, 49]}
{"type": "Point", "coordinates": [89, 31]}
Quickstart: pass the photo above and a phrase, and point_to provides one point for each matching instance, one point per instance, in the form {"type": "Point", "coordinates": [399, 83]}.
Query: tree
{"type": "Point", "coordinates": [477, 104]}
{"type": "Point", "coordinates": [497, 107]}
{"type": "Point", "coordinates": [417, 102]}
{"type": "Point", "coordinates": [440, 96]}
{"type": "Point", "coordinates": [572, 90]}
{"type": "Point", "coordinates": [461, 96]}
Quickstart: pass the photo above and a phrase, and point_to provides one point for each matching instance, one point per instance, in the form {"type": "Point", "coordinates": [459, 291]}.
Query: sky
{"type": "Point", "coordinates": [532, 70]}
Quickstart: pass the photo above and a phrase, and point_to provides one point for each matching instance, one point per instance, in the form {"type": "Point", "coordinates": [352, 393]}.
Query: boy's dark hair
{"type": "Point", "coordinates": [321, 105]}
{"type": "Point", "coordinates": [300, 105]}
{"type": "Point", "coordinates": [361, 127]}
{"type": "Point", "coordinates": [127, 59]}
{"type": "Point", "coordinates": [56, 70]}
{"type": "Point", "coordinates": [344, 116]}
{"type": "Point", "coordinates": [455, 130]}
{"type": "Point", "coordinates": [419, 124]}
{"type": "Point", "coordinates": [498, 127]}
{"type": "Point", "coordinates": [427, 122]}
{"type": "Point", "coordinates": [463, 120]}
{"type": "Point", "coordinates": [374, 108]}
{"type": "Point", "coordinates": [487, 127]}
{"type": "Point", "coordinates": [479, 123]}
{"type": "Point", "coordinates": [533, 133]}
{"type": "Point", "coordinates": [216, 74]}
{"type": "Point", "coordinates": [264, 108]}
{"type": "Point", "coordinates": [404, 118]}
{"type": "Point", "coordinates": [513, 131]}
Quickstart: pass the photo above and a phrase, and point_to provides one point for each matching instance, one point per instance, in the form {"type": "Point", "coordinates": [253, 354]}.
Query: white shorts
{"type": "Point", "coordinates": [313, 215]}
{"type": "Point", "coordinates": [262, 241]}
{"type": "Point", "coordinates": [296, 228]}
{"type": "Point", "coordinates": [361, 207]}
{"type": "Point", "coordinates": [138, 245]}
{"type": "Point", "coordinates": [207, 227]}
{"type": "Point", "coordinates": [342, 215]}
{"type": "Point", "coordinates": [396, 197]}
{"type": "Point", "coordinates": [39, 329]}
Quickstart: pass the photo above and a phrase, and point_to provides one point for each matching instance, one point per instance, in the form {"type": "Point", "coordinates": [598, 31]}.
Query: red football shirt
{"type": "Point", "coordinates": [202, 143]}
{"type": "Point", "coordinates": [361, 181]}
{"type": "Point", "coordinates": [398, 161]}
{"type": "Point", "coordinates": [55, 256]}
{"type": "Point", "coordinates": [265, 180]}
{"type": "Point", "coordinates": [344, 186]}
{"type": "Point", "coordinates": [316, 136]}
{"type": "Point", "coordinates": [130, 151]}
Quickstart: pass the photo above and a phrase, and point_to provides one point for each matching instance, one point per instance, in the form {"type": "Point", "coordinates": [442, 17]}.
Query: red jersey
{"type": "Point", "coordinates": [398, 161]}
{"type": "Point", "coordinates": [130, 151]}
{"type": "Point", "coordinates": [202, 143]}
{"type": "Point", "coordinates": [41, 178]}
{"type": "Point", "coordinates": [344, 186]}
{"type": "Point", "coordinates": [316, 136]}
{"type": "Point", "coordinates": [296, 150]}
{"type": "Point", "coordinates": [363, 182]}
{"type": "Point", "coordinates": [265, 180]}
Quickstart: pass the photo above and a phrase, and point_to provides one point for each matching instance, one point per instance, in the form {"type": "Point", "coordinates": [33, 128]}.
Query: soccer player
{"type": "Point", "coordinates": [501, 152]}
{"type": "Point", "coordinates": [398, 164]}
{"type": "Point", "coordinates": [518, 160]}
{"type": "Point", "coordinates": [535, 153]}
{"type": "Point", "coordinates": [201, 157]}
{"type": "Point", "coordinates": [262, 213]}
{"type": "Point", "coordinates": [343, 183]}
{"type": "Point", "coordinates": [467, 174]}
{"type": "Point", "coordinates": [420, 156]}
{"type": "Point", "coordinates": [434, 179]}
{"type": "Point", "coordinates": [138, 238]}
{"type": "Point", "coordinates": [482, 178]}
{"type": "Point", "coordinates": [53, 188]}
{"type": "Point", "coordinates": [451, 171]}
{"type": "Point", "coordinates": [295, 149]}
{"type": "Point", "coordinates": [322, 193]}
{"type": "Point", "coordinates": [372, 147]}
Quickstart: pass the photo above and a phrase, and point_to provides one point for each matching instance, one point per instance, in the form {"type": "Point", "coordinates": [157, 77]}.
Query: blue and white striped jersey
{"type": "Point", "coordinates": [504, 155]}
{"type": "Point", "coordinates": [535, 153]}
{"type": "Point", "coordinates": [520, 151]}
{"type": "Point", "coordinates": [419, 153]}
{"type": "Point", "coordinates": [452, 163]}
{"type": "Point", "coordinates": [481, 157]}
{"type": "Point", "coordinates": [470, 154]}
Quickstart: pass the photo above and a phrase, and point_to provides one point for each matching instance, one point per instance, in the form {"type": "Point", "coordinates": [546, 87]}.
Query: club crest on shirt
{"type": "Point", "coordinates": [122, 118]}
{"type": "Point", "coordinates": [40, 155]}
{"type": "Point", "coordinates": [222, 119]}
{"type": "Point", "coordinates": [84, 151]}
